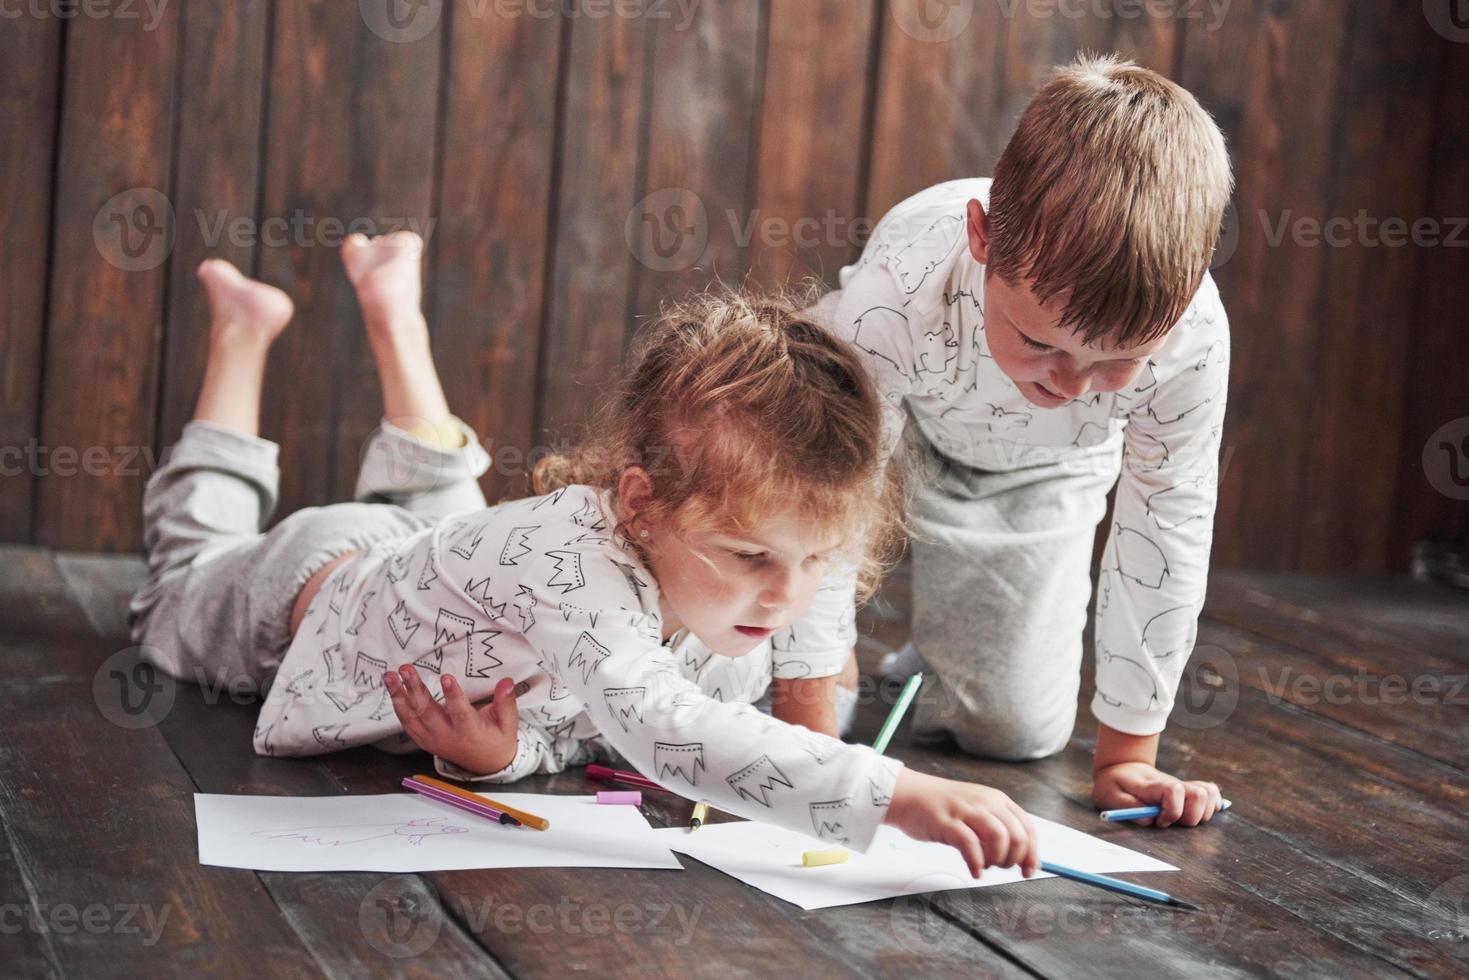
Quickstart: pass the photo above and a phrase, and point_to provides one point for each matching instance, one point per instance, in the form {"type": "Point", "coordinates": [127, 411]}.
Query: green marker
{"type": "Point", "coordinates": [885, 736]}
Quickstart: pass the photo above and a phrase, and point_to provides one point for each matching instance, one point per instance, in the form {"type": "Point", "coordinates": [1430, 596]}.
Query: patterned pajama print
{"type": "Point", "coordinates": [1010, 495]}
{"type": "Point", "coordinates": [541, 591]}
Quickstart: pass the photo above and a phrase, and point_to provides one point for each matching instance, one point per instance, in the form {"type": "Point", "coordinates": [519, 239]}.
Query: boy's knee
{"type": "Point", "coordinates": [1015, 739]}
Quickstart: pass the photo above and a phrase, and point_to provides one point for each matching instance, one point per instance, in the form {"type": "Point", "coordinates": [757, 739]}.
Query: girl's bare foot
{"type": "Point", "coordinates": [385, 272]}
{"type": "Point", "coordinates": [242, 309]}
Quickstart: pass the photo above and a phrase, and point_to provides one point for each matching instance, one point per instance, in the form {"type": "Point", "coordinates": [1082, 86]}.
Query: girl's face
{"type": "Point", "coordinates": [733, 591]}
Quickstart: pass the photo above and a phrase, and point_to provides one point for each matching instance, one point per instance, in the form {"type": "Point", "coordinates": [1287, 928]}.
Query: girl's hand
{"type": "Point", "coordinates": [987, 827]}
{"type": "Point", "coordinates": [479, 739]}
{"type": "Point", "coordinates": [1129, 784]}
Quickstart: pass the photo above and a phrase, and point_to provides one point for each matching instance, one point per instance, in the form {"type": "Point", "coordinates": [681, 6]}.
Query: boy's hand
{"type": "Point", "coordinates": [986, 826]}
{"type": "Point", "coordinates": [479, 739]}
{"type": "Point", "coordinates": [1129, 784]}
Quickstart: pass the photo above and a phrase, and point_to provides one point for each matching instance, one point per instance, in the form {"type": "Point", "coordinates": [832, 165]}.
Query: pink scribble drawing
{"type": "Point", "coordinates": [336, 835]}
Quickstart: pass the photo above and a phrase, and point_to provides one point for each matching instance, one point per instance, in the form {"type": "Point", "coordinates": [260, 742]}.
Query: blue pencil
{"type": "Point", "coordinates": [1117, 885]}
{"type": "Point", "coordinates": [1139, 812]}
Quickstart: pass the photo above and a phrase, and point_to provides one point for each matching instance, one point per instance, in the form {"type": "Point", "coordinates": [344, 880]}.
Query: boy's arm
{"type": "Point", "coordinates": [1154, 567]}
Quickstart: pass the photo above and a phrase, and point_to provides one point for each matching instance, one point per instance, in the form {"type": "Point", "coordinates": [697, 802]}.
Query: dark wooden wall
{"type": "Point", "coordinates": [524, 145]}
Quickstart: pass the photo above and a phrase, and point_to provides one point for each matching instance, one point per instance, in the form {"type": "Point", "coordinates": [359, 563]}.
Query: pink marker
{"type": "Point", "coordinates": [630, 797]}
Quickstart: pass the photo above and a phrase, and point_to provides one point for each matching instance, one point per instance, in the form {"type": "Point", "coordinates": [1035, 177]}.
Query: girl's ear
{"type": "Point", "coordinates": [634, 489]}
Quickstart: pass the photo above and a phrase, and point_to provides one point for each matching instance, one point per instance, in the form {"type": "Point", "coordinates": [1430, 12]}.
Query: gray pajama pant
{"type": "Point", "coordinates": [1001, 585]}
{"type": "Point", "coordinates": [216, 607]}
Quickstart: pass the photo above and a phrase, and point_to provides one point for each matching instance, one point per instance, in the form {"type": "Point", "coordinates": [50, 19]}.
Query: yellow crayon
{"type": "Point", "coordinates": [812, 859]}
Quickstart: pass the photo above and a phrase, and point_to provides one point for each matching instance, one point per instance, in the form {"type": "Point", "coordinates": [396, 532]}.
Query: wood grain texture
{"type": "Point", "coordinates": [487, 259]}
{"type": "Point", "coordinates": [703, 106]}
{"type": "Point", "coordinates": [1341, 854]}
{"type": "Point", "coordinates": [1433, 480]}
{"type": "Point", "coordinates": [574, 166]}
{"type": "Point", "coordinates": [29, 90]}
{"type": "Point", "coordinates": [591, 277]}
{"type": "Point", "coordinates": [1287, 110]}
{"type": "Point", "coordinates": [112, 233]}
{"type": "Point", "coordinates": [221, 109]}
{"type": "Point", "coordinates": [1371, 284]}
{"type": "Point", "coordinates": [808, 177]}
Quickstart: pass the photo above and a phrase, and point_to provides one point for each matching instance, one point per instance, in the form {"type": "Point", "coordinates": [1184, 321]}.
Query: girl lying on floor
{"type": "Point", "coordinates": [668, 572]}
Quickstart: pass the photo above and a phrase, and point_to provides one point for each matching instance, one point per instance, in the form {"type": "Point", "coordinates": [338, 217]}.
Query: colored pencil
{"type": "Point", "coordinates": [1140, 812]}
{"type": "Point", "coordinates": [900, 708]}
{"type": "Point", "coordinates": [471, 806]}
{"type": "Point", "coordinates": [701, 813]}
{"type": "Point", "coordinates": [1117, 885]}
{"type": "Point", "coordinates": [529, 819]}
{"type": "Point", "coordinates": [607, 775]}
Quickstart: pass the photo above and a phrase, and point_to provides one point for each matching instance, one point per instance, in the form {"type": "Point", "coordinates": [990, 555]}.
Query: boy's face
{"type": "Point", "coordinates": [1049, 365]}
{"type": "Point", "coordinates": [733, 591]}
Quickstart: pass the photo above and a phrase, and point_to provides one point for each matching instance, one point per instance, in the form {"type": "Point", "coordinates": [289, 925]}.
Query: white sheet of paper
{"type": "Point", "coordinates": [409, 832]}
{"type": "Point", "coordinates": [769, 858]}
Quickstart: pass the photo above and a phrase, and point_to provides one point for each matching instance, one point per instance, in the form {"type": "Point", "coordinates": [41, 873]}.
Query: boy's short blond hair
{"type": "Point", "coordinates": [1109, 197]}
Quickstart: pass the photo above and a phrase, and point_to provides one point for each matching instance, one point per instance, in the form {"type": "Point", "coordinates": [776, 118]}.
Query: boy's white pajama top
{"type": "Point", "coordinates": [913, 307]}
{"type": "Point", "coordinates": [540, 590]}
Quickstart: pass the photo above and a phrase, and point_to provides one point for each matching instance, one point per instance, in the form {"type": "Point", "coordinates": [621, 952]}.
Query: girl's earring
{"type": "Point", "coordinates": [643, 534]}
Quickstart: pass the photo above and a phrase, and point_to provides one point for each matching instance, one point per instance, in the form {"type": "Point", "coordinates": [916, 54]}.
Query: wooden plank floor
{"type": "Point", "coordinates": [1333, 711]}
